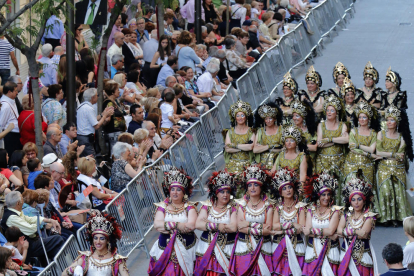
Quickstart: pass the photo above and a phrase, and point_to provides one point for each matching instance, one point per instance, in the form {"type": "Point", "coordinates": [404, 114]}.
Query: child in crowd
{"type": "Point", "coordinates": [408, 226]}
{"type": "Point", "coordinates": [255, 12]}
{"type": "Point", "coordinates": [17, 243]}
{"type": "Point", "coordinates": [35, 168]}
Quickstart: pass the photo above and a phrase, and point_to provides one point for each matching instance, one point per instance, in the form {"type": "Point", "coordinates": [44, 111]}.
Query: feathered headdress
{"type": "Point", "coordinates": [357, 186]}
{"type": "Point", "coordinates": [320, 183]}
{"type": "Point", "coordinates": [371, 72]}
{"type": "Point", "coordinates": [290, 82]}
{"type": "Point", "coordinates": [284, 177]}
{"type": "Point", "coordinates": [340, 69]}
{"type": "Point", "coordinates": [221, 180]}
{"type": "Point", "coordinates": [177, 178]}
{"type": "Point", "coordinates": [255, 173]}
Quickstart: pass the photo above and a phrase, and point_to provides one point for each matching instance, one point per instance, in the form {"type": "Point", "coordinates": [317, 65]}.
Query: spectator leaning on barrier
{"type": "Point", "coordinates": [88, 122]}
{"type": "Point", "coordinates": [393, 256]}
{"type": "Point", "coordinates": [28, 225]}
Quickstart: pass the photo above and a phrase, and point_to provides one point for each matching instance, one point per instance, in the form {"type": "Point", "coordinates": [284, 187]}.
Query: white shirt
{"type": "Point", "coordinates": [205, 82]}
{"type": "Point", "coordinates": [166, 110]}
{"type": "Point", "coordinates": [9, 114]}
{"type": "Point", "coordinates": [408, 254]}
{"type": "Point", "coordinates": [86, 119]}
{"type": "Point", "coordinates": [17, 254]}
{"type": "Point", "coordinates": [95, 11]}
{"type": "Point", "coordinates": [114, 49]}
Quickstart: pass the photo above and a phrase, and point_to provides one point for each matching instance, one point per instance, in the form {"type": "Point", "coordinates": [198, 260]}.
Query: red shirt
{"type": "Point", "coordinates": [6, 172]}
{"type": "Point", "coordinates": [27, 128]}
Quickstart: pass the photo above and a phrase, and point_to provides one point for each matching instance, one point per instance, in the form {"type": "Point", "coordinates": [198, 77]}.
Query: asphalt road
{"type": "Point", "coordinates": [381, 32]}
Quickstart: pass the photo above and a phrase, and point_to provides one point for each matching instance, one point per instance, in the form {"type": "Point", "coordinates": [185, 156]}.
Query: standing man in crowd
{"type": "Point", "coordinates": [393, 256]}
{"type": "Point", "coordinates": [53, 136]}
{"type": "Point", "coordinates": [88, 122]}
{"type": "Point", "coordinates": [69, 134]}
{"type": "Point", "coordinates": [49, 76]}
{"type": "Point", "coordinates": [142, 34]}
{"type": "Point", "coordinates": [9, 115]}
{"type": "Point", "coordinates": [148, 75]}
{"type": "Point", "coordinates": [6, 53]}
{"type": "Point", "coordinates": [137, 113]}
{"type": "Point", "coordinates": [17, 80]}
{"type": "Point", "coordinates": [53, 32]}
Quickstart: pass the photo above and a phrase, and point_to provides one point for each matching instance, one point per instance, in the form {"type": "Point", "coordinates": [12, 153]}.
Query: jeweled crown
{"type": "Point", "coordinates": [292, 131]}
{"type": "Point", "coordinates": [176, 177]}
{"type": "Point", "coordinates": [394, 112]}
{"type": "Point", "coordinates": [332, 101]}
{"type": "Point", "coordinates": [255, 172]}
{"type": "Point", "coordinates": [223, 180]}
{"type": "Point", "coordinates": [340, 69]}
{"type": "Point", "coordinates": [290, 82]}
{"type": "Point", "coordinates": [363, 107]}
{"type": "Point", "coordinates": [312, 75]}
{"type": "Point", "coordinates": [267, 111]}
{"type": "Point", "coordinates": [356, 185]}
{"type": "Point", "coordinates": [282, 177]}
{"type": "Point", "coordinates": [299, 108]}
{"type": "Point", "coordinates": [392, 77]}
{"type": "Point", "coordinates": [323, 182]}
{"type": "Point", "coordinates": [348, 86]}
{"type": "Point", "coordinates": [240, 106]}
{"type": "Point", "coordinates": [371, 72]}
{"type": "Point", "coordinates": [100, 225]}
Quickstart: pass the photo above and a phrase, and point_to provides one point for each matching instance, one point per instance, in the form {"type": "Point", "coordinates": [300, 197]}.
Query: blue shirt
{"type": "Point", "coordinates": [56, 29]}
{"type": "Point", "coordinates": [150, 48]}
{"type": "Point", "coordinates": [145, 34]}
{"type": "Point", "coordinates": [64, 143]}
{"type": "Point", "coordinates": [186, 57]}
{"type": "Point", "coordinates": [399, 272]}
{"type": "Point", "coordinates": [134, 126]}
{"type": "Point", "coordinates": [113, 72]}
{"type": "Point", "coordinates": [165, 72]}
{"type": "Point", "coordinates": [31, 179]}
{"type": "Point", "coordinates": [49, 71]}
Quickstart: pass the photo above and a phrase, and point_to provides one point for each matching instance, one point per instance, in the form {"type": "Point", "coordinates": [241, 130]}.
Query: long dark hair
{"type": "Point", "coordinates": [161, 50]}
{"type": "Point", "coordinates": [17, 158]}
{"type": "Point", "coordinates": [3, 159]}
{"type": "Point", "coordinates": [81, 72]}
{"type": "Point", "coordinates": [5, 254]}
{"type": "Point", "coordinates": [404, 129]}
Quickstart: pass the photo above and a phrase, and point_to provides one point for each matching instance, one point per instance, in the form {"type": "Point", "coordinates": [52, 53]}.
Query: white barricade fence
{"type": "Point", "coordinates": [199, 147]}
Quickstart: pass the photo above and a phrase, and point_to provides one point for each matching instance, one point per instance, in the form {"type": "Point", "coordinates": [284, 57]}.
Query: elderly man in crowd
{"type": "Point", "coordinates": [206, 82]}
{"type": "Point", "coordinates": [53, 136]}
{"type": "Point", "coordinates": [8, 116]}
{"type": "Point", "coordinates": [57, 53]}
{"type": "Point", "coordinates": [167, 70]}
{"type": "Point", "coordinates": [13, 216]}
{"type": "Point", "coordinates": [48, 160]}
{"type": "Point", "coordinates": [49, 76]}
{"type": "Point", "coordinates": [88, 122]}
{"type": "Point", "coordinates": [142, 34]}
{"type": "Point", "coordinates": [157, 143]}
{"type": "Point", "coordinates": [116, 48]}
{"type": "Point", "coordinates": [117, 63]}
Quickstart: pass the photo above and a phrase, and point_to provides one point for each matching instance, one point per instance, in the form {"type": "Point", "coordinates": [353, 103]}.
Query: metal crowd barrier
{"type": "Point", "coordinates": [198, 149]}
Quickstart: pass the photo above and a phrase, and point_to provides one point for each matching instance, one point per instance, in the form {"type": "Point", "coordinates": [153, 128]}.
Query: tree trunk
{"type": "Point", "coordinates": [34, 72]}
{"type": "Point", "coordinates": [160, 18]}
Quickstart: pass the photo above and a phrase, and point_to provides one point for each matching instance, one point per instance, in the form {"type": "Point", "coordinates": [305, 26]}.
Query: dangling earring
{"type": "Point", "coordinates": [369, 123]}
{"type": "Point", "coordinates": [304, 123]}
{"type": "Point", "coordinates": [284, 149]}
{"type": "Point", "coordinates": [318, 203]}
{"type": "Point", "coordinates": [351, 208]}
{"type": "Point", "coordinates": [185, 198]}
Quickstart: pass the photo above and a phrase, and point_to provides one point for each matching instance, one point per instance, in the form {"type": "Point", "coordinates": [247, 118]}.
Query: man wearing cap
{"type": "Point", "coordinates": [48, 160]}
{"type": "Point", "coordinates": [246, 24]}
{"type": "Point", "coordinates": [49, 67]}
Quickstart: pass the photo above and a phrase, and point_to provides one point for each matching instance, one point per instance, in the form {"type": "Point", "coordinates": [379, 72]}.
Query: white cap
{"type": "Point", "coordinates": [49, 159]}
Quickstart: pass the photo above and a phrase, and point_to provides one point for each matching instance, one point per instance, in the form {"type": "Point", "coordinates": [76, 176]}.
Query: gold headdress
{"type": "Point", "coordinates": [99, 224]}
{"type": "Point", "coordinates": [357, 187]}
{"type": "Point", "coordinates": [292, 131]}
{"type": "Point", "coordinates": [340, 69]}
{"type": "Point", "coordinates": [392, 77]}
{"type": "Point", "coordinates": [298, 107]}
{"type": "Point", "coordinates": [267, 111]}
{"type": "Point", "coordinates": [312, 75]}
{"type": "Point", "coordinates": [284, 177]}
{"type": "Point", "coordinates": [363, 107]}
{"type": "Point", "coordinates": [176, 178]}
{"type": "Point", "coordinates": [240, 106]}
{"type": "Point", "coordinates": [324, 182]}
{"type": "Point", "coordinates": [332, 101]}
{"type": "Point", "coordinates": [348, 86]}
{"type": "Point", "coordinates": [394, 112]}
{"type": "Point", "coordinates": [371, 72]}
{"type": "Point", "coordinates": [290, 82]}
{"type": "Point", "coordinates": [255, 174]}
{"type": "Point", "coordinates": [221, 180]}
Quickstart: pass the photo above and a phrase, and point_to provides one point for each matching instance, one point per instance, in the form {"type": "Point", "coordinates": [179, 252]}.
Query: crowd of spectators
{"type": "Point", "coordinates": [155, 87]}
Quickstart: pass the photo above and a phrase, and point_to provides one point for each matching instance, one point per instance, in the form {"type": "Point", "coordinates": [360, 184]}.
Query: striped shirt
{"type": "Point", "coordinates": [5, 49]}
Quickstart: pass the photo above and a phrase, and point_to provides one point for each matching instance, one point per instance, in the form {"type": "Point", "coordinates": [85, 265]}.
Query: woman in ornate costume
{"type": "Point", "coordinates": [322, 251]}
{"type": "Point", "coordinates": [394, 95]}
{"type": "Point", "coordinates": [289, 219]}
{"type": "Point", "coordinates": [217, 219]}
{"type": "Point", "coordinates": [290, 89]}
{"type": "Point", "coordinates": [103, 232]}
{"type": "Point", "coordinates": [293, 155]}
{"type": "Point", "coordinates": [174, 251]}
{"type": "Point", "coordinates": [355, 226]}
{"type": "Point", "coordinates": [349, 93]}
{"type": "Point", "coordinates": [369, 93]}
{"type": "Point", "coordinates": [268, 121]}
{"type": "Point", "coordinates": [252, 253]}
{"type": "Point", "coordinates": [314, 94]}
{"type": "Point", "coordinates": [394, 145]}
{"type": "Point", "coordinates": [340, 72]}
{"type": "Point", "coordinates": [332, 135]}
{"type": "Point", "coordinates": [239, 139]}
{"type": "Point", "coordinates": [304, 119]}
{"type": "Point", "coordinates": [362, 144]}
